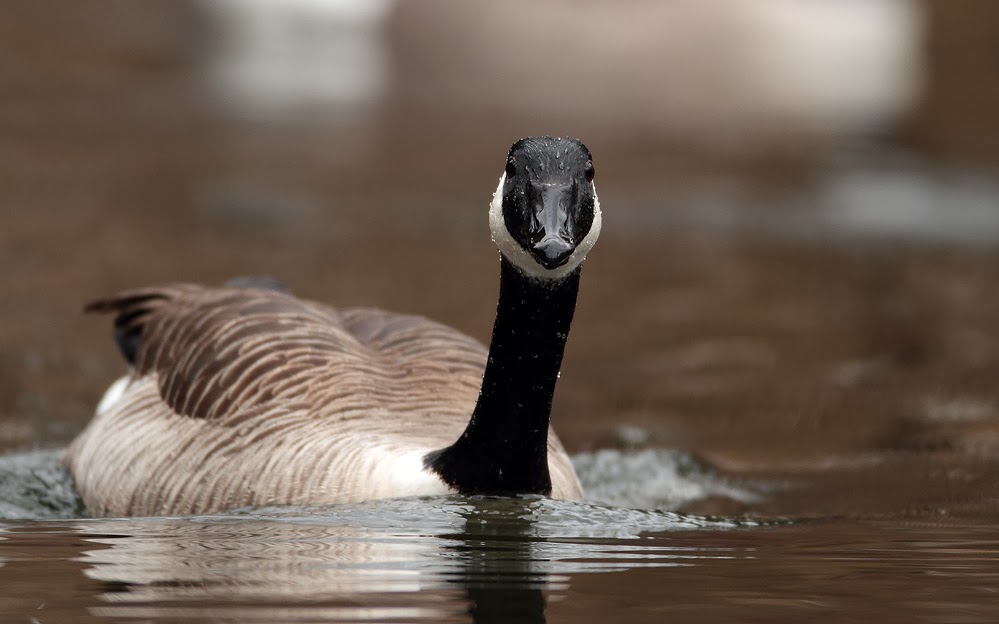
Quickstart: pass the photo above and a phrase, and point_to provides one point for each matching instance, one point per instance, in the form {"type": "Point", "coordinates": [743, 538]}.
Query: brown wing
{"type": "Point", "coordinates": [219, 352]}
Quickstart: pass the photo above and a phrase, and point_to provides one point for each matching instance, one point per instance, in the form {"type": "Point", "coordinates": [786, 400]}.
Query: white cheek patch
{"type": "Point", "coordinates": [521, 258]}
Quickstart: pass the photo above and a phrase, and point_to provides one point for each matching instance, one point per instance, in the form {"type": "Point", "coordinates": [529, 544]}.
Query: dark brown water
{"type": "Point", "coordinates": [805, 334]}
{"type": "Point", "coordinates": [494, 561]}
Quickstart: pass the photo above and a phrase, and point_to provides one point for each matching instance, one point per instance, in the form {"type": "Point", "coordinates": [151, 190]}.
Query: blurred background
{"type": "Point", "coordinates": [798, 276]}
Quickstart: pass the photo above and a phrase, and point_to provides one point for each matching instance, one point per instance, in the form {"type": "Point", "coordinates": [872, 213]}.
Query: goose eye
{"type": "Point", "coordinates": [589, 172]}
{"type": "Point", "coordinates": [511, 167]}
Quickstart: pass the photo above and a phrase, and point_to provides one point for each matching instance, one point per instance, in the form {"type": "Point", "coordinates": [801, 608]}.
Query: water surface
{"type": "Point", "coordinates": [480, 559]}
{"type": "Point", "coordinates": [483, 559]}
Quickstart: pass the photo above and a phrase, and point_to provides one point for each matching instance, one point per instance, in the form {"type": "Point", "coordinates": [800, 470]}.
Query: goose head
{"type": "Point", "coordinates": [545, 216]}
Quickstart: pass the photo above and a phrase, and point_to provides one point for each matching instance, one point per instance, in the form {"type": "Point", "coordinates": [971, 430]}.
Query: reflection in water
{"type": "Point", "coordinates": [426, 559]}
{"type": "Point", "coordinates": [457, 559]}
{"type": "Point", "coordinates": [423, 559]}
{"type": "Point", "coordinates": [496, 566]}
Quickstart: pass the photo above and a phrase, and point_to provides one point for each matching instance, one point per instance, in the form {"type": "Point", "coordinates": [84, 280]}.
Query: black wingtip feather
{"type": "Point", "coordinates": [127, 340]}
{"type": "Point", "coordinates": [114, 304]}
{"type": "Point", "coordinates": [128, 324]}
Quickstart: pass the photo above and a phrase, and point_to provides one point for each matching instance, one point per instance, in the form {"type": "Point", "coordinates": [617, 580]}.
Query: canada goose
{"type": "Point", "coordinates": [245, 395]}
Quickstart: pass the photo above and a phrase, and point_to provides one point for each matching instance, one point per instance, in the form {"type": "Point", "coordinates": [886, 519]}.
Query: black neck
{"type": "Point", "coordinates": [504, 449]}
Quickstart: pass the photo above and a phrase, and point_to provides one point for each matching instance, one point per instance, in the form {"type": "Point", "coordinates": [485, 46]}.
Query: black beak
{"type": "Point", "coordinates": [552, 251]}
{"type": "Point", "coordinates": [554, 242]}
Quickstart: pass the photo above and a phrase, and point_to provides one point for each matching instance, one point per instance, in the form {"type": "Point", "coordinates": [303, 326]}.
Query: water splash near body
{"type": "Point", "coordinates": [652, 479]}
{"type": "Point", "coordinates": [633, 490]}
{"type": "Point", "coordinates": [35, 486]}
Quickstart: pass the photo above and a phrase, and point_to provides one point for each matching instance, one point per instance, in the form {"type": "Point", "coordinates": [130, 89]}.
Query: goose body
{"type": "Point", "coordinates": [248, 396]}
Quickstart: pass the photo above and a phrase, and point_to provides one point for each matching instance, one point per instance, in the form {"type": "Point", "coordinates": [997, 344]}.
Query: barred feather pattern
{"type": "Point", "coordinates": [245, 397]}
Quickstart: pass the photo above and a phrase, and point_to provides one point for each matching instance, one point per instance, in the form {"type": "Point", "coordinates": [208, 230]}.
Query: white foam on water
{"type": "Point", "coordinates": [651, 479]}
{"type": "Point", "coordinates": [35, 486]}
{"type": "Point", "coordinates": [627, 493]}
